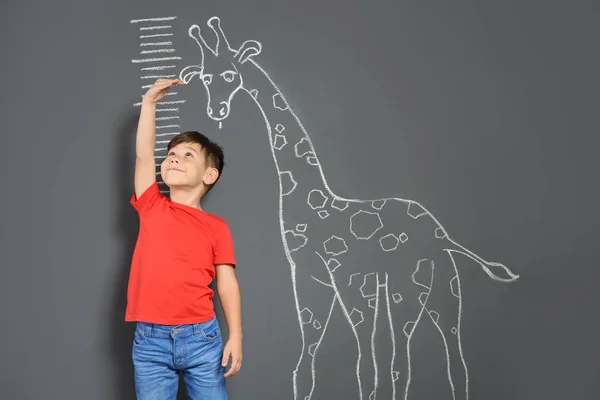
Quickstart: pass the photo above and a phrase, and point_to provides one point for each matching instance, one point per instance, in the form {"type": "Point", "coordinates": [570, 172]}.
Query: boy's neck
{"type": "Point", "coordinates": [187, 197]}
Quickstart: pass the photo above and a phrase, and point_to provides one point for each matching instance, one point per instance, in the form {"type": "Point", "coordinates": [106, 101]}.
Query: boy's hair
{"type": "Point", "coordinates": [213, 153]}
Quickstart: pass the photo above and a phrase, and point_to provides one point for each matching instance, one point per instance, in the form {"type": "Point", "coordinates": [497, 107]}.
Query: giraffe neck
{"type": "Point", "coordinates": [293, 152]}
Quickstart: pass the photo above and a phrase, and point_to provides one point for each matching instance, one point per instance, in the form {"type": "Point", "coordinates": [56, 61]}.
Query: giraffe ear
{"type": "Point", "coordinates": [189, 72]}
{"type": "Point", "coordinates": [248, 49]}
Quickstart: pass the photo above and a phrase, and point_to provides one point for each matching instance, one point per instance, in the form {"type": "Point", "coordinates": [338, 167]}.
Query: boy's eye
{"type": "Point", "coordinates": [188, 154]}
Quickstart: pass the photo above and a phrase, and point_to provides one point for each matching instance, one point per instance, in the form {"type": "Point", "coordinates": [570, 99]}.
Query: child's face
{"type": "Point", "coordinates": [185, 166]}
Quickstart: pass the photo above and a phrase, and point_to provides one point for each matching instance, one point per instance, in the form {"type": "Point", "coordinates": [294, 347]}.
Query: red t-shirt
{"type": "Point", "coordinates": [174, 261]}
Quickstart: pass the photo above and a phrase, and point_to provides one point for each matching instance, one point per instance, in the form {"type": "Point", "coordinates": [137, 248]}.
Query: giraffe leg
{"type": "Point", "coordinates": [405, 306]}
{"type": "Point", "coordinates": [384, 343]}
{"type": "Point", "coordinates": [315, 301]}
{"type": "Point", "coordinates": [383, 321]}
{"type": "Point", "coordinates": [444, 307]}
{"type": "Point", "coordinates": [363, 302]}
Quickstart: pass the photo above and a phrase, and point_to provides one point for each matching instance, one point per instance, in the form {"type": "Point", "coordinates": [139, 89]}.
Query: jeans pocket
{"type": "Point", "coordinates": [211, 332]}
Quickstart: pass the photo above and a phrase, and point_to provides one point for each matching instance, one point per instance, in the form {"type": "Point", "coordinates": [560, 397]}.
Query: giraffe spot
{"type": "Point", "coordinates": [335, 246]}
{"type": "Point", "coordinates": [453, 330]}
{"type": "Point", "coordinates": [333, 264]}
{"type": "Point", "coordinates": [279, 128]}
{"type": "Point", "coordinates": [395, 375]}
{"type": "Point", "coordinates": [415, 210]}
{"type": "Point", "coordinates": [423, 273]}
{"type": "Point", "coordinates": [440, 233]}
{"type": "Point", "coordinates": [279, 142]}
{"type": "Point", "coordinates": [434, 316]}
{"type": "Point", "coordinates": [323, 214]}
{"type": "Point", "coordinates": [403, 237]}
{"type": "Point", "coordinates": [316, 199]}
{"type": "Point", "coordinates": [303, 148]}
{"type": "Point", "coordinates": [279, 102]}
{"type": "Point", "coordinates": [372, 395]}
{"type": "Point", "coordinates": [301, 227]}
{"type": "Point", "coordinates": [369, 286]}
{"type": "Point", "coordinates": [295, 240]}
{"type": "Point", "coordinates": [288, 184]}
{"type": "Point", "coordinates": [397, 297]}
{"type": "Point", "coordinates": [408, 328]}
{"type": "Point", "coordinates": [312, 160]}
{"type": "Point", "coordinates": [312, 349]}
{"type": "Point", "coordinates": [350, 280]}
{"type": "Point", "coordinates": [356, 316]}
{"type": "Point", "coordinates": [389, 242]}
{"type": "Point", "coordinates": [316, 324]}
{"type": "Point", "coordinates": [306, 316]}
{"type": "Point", "coordinates": [378, 204]}
{"type": "Point", "coordinates": [373, 302]}
{"type": "Point", "coordinates": [339, 204]}
{"type": "Point", "coordinates": [253, 93]}
{"type": "Point", "coordinates": [454, 286]}
{"type": "Point", "coordinates": [364, 224]}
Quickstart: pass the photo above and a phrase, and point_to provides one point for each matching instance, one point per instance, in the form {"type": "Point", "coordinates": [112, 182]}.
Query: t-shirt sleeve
{"type": "Point", "coordinates": [223, 250]}
{"type": "Point", "coordinates": [147, 199]}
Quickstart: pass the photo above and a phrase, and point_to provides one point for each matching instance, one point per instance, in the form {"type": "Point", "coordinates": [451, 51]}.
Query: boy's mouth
{"type": "Point", "coordinates": [175, 169]}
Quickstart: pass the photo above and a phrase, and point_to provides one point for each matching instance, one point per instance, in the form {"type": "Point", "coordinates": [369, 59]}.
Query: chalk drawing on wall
{"type": "Point", "coordinates": [157, 59]}
{"type": "Point", "coordinates": [330, 241]}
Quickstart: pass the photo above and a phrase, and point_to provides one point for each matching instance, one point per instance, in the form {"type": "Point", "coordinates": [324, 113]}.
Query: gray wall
{"type": "Point", "coordinates": [485, 112]}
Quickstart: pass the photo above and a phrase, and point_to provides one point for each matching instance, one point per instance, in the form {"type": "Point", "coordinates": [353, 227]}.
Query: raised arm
{"type": "Point", "coordinates": [145, 165]}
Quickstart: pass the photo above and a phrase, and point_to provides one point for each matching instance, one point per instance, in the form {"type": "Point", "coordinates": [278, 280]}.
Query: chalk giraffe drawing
{"type": "Point", "coordinates": [330, 241]}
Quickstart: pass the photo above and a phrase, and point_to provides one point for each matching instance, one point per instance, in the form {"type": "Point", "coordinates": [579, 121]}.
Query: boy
{"type": "Point", "coordinates": [179, 250]}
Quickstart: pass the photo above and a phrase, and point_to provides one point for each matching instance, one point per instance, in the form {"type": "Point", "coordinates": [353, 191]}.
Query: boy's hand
{"type": "Point", "coordinates": [160, 88]}
{"type": "Point", "coordinates": [233, 349]}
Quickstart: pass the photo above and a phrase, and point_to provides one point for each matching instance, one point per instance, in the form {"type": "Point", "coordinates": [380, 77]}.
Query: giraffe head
{"type": "Point", "coordinates": [219, 68]}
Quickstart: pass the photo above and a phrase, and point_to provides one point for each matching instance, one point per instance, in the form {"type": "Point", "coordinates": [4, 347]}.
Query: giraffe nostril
{"type": "Point", "coordinates": [209, 111]}
{"type": "Point", "coordinates": [222, 111]}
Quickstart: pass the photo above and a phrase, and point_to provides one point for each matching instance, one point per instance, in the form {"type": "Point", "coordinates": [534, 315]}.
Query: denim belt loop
{"type": "Point", "coordinates": [197, 329]}
{"type": "Point", "coordinates": [148, 330]}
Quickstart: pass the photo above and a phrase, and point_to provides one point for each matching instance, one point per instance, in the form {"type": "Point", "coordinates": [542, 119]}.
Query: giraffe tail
{"type": "Point", "coordinates": [496, 271]}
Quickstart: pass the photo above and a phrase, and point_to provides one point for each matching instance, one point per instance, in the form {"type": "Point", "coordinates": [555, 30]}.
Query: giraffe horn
{"type": "Point", "coordinates": [215, 24]}
{"type": "Point", "coordinates": [194, 33]}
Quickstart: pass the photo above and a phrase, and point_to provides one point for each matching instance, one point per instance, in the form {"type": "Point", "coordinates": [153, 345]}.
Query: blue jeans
{"type": "Point", "coordinates": [160, 352]}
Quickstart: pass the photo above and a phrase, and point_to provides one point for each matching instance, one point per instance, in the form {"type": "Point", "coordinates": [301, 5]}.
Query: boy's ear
{"type": "Point", "coordinates": [211, 175]}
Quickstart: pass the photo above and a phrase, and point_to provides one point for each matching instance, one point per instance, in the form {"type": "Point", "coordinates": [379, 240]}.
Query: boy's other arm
{"type": "Point", "coordinates": [145, 168]}
{"type": "Point", "coordinates": [229, 295]}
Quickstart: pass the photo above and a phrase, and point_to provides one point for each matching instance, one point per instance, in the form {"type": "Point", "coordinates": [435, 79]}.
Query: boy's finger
{"type": "Point", "coordinates": [235, 367]}
{"type": "Point", "coordinates": [236, 364]}
{"type": "Point", "coordinates": [225, 358]}
{"type": "Point", "coordinates": [170, 84]}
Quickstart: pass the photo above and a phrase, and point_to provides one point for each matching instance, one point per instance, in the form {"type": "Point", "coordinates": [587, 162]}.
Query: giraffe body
{"type": "Point", "coordinates": [387, 263]}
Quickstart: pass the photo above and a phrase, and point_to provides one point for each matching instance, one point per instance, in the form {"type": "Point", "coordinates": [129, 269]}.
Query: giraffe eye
{"type": "Point", "coordinates": [207, 79]}
{"type": "Point", "coordinates": [228, 76]}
